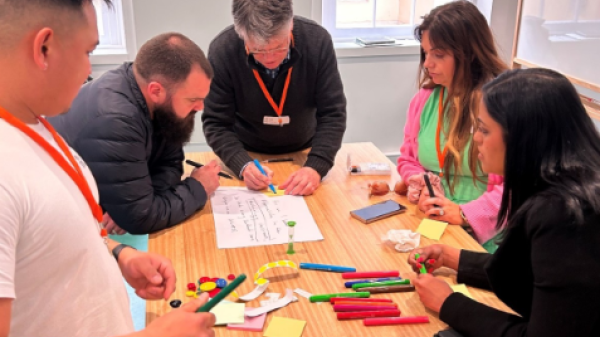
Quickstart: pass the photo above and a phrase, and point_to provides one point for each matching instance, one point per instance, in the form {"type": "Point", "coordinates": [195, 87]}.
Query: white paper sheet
{"type": "Point", "coordinates": [246, 218]}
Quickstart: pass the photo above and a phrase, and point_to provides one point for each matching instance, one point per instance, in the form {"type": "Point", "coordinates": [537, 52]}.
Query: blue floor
{"type": "Point", "coordinates": [136, 304]}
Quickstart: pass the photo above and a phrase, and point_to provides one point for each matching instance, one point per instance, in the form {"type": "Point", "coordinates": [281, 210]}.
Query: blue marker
{"type": "Point", "coordinates": [260, 168]}
{"type": "Point", "coordinates": [326, 267]}
{"type": "Point", "coordinates": [350, 283]}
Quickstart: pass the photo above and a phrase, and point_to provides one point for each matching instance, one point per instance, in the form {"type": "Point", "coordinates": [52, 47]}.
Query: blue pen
{"type": "Point", "coordinates": [326, 267]}
{"type": "Point", "coordinates": [350, 283]}
{"type": "Point", "coordinates": [260, 168]}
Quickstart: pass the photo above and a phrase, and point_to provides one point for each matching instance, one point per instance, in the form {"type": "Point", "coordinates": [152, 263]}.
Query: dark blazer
{"type": "Point", "coordinates": [138, 172]}
{"type": "Point", "coordinates": [547, 269]}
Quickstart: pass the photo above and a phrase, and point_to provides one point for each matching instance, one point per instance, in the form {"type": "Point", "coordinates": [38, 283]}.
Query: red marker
{"type": "Point", "coordinates": [366, 314]}
{"type": "Point", "coordinates": [346, 308]}
{"type": "Point", "coordinates": [395, 320]}
{"type": "Point", "coordinates": [371, 274]}
{"type": "Point", "coordinates": [372, 304]}
{"type": "Point", "coordinates": [373, 300]}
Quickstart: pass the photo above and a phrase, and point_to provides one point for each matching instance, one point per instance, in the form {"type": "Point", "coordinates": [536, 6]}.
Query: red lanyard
{"type": "Point", "coordinates": [72, 170]}
{"type": "Point", "coordinates": [440, 154]}
{"type": "Point", "coordinates": [278, 109]}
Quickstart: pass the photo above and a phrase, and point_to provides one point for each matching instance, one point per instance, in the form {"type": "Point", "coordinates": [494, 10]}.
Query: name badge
{"type": "Point", "coordinates": [277, 121]}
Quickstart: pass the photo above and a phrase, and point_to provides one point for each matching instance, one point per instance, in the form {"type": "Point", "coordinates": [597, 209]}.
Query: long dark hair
{"type": "Point", "coordinates": [552, 145]}
{"type": "Point", "coordinates": [459, 27]}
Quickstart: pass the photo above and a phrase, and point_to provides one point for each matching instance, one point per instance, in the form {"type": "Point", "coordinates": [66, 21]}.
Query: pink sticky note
{"type": "Point", "coordinates": [250, 323]}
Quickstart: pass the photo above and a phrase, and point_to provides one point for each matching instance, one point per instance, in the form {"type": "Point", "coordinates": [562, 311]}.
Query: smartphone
{"type": "Point", "coordinates": [378, 211]}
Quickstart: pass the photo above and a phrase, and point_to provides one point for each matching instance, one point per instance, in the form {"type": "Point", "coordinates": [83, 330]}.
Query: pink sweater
{"type": "Point", "coordinates": [482, 213]}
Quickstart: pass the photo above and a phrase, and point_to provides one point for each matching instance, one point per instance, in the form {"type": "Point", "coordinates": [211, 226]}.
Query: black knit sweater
{"type": "Point", "coordinates": [234, 110]}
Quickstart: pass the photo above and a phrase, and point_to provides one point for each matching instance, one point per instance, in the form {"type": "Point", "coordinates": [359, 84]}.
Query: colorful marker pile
{"type": "Point", "coordinates": [359, 304]}
{"type": "Point", "coordinates": [212, 286]}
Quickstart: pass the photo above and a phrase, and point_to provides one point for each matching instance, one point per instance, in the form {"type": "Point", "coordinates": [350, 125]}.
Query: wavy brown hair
{"type": "Point", "coordinates": [458, 27]}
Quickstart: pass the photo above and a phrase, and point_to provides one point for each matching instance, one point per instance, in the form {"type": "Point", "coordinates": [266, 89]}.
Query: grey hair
{"type": "Point", "coordinates": [261, 19]}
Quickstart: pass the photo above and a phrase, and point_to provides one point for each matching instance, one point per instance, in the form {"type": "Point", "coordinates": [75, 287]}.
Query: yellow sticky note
{"type": "Point", "coordinates": [461, 288]}
{"type": "Point", "coordinates": [229, 313]}
{"type": "Point", "coordinates": [269, 193]}
{"type": "Point", "coordinates": [285, 327]}
{"type": "Point", "coordinates": [432, 229]}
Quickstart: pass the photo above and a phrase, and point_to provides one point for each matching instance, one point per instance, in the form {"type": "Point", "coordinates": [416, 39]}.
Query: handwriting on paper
{"type": "Point", "coordinates": [246, 218]}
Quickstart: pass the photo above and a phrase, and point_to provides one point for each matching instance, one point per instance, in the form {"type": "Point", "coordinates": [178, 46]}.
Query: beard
{"type": "Point", "coordinates": [171, 127]}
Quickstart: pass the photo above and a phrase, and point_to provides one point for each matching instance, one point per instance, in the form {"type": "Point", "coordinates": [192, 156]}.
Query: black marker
{"type": "Point", "coordinates": [429, 187]}
{"type": "Point", "coordinates": [193, 163]}
{"type": "Point", "coordinates": [277, 160]}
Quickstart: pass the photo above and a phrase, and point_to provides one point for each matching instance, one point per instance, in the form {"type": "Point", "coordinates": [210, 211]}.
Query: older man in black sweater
{"type": "Point", "coordinates": [276, 90]}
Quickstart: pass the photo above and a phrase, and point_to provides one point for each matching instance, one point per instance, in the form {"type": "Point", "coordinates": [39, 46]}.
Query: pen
{"type": "Point", "coordinates": [395, 320]}
{"type": "Point", "coordinates": [366, 314]}
{"type": "Point", "coordinates": [327, 297]}
{"type": "Point", "coordinates": [350, 308]}
{"type": "Point", "coordinates": [422, 268]}
{"type": "Point", "coordinates": [277, 160]}
{"type": "Point", "coordinates": [222, 294]}
{"type": "Point", "coordinates": [326, 267]}
{"type": "Point", "coordinates": [374, 274]}
{"type": "Point", "coordinates": [366, 300]}
{"type": "Point", "coordinates": [350, 283]}
{"type": "Point", "coordinates": [193, 163]}
{"type": "Point", "coordinates": [390, 289]}
{"type": "Point", "coordinates": [380, 284]}
{"type": "Point", "coordinates": [429, 187]}
{"type": "Point", "coordinates": [260, 168]}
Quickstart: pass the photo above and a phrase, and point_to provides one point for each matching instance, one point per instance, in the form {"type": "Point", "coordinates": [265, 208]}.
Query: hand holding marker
{"type": "Point", "coordinates": [222, 294]}
{"type": "Point", "coordinates": [260, 168]}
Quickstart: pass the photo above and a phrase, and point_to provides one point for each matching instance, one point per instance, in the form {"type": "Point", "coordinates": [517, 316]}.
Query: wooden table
{"type": "Point", "coordinates": [193, 250]}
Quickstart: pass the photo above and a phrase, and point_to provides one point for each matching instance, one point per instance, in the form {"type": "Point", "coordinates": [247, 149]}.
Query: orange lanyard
{"type": "Point", "coordinates": [440, 154]}
{"type": "Point", "coordinates": [72, 170]}
{"type": "Point", "coordinates": [278, 109]}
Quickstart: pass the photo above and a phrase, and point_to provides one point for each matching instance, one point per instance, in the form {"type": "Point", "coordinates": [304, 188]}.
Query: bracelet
{"type": "Point", "coordinates": [464, 217]}
{"type": "Point", "coordinates": [117, 250]}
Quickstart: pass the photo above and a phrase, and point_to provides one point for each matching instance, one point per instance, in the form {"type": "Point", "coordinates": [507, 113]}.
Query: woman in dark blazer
{"type": "Point", "coordinates": [533, 130]}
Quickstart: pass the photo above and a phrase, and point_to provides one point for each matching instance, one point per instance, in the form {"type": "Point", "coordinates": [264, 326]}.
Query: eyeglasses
{"type": "Point", "coordinates": [272, 51]}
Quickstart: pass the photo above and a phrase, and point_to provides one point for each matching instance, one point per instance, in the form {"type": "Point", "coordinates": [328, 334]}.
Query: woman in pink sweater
{"type": "Point", "coordinates": [458, 56]}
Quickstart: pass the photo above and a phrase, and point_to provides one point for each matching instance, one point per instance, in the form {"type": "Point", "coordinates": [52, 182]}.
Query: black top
{"type": "Point", "coordinates": [235, 107]}
{"type": "Point", "coordinates": [138, 173]}
{"type": "Point", "coordinates": [547, 269]}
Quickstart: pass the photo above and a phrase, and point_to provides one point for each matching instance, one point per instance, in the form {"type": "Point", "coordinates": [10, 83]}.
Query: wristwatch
{"type": "Point", "coordinates": [117, 250]}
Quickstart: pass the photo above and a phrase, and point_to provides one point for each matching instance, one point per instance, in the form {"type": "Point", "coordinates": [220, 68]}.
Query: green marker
{"type": "Point", "coordinates": [291, 225]}
{"type": "Point", "coordinates": [381, 284]}
{"type": "Point", "coordinates": [327, 297]}
{"type": "Point", "coordinates": [423, 269]}
{"type": "Point", "coordinates": [222, 294]}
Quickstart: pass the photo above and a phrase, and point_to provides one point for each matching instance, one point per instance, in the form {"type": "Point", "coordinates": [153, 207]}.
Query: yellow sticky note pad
{"type": "Point", "coordinates": [226, 313]}
{"type": "Point", "coordinates": [432, 229]}
{"type": "Point", "coordinates": [269, 193]}
{"type": "Point", "coordinates": [285, 327]}
{"type": "Point", "coordinates": [461, 288]}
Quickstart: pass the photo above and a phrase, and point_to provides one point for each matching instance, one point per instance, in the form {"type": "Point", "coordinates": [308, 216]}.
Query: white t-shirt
{"type": "Point", "coordinates": [53, 262]}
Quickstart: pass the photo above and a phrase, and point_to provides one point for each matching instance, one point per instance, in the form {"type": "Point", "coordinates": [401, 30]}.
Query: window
{"type": "Point", "coordinates": [348, 19]}
{"type": "Point", "coordinates": [563, 11]}
{"type": "Point", "coordinates": [115, 29]}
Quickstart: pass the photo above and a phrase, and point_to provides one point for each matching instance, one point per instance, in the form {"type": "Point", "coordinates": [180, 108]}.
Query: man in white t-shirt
{"type": "Point", "coordinates": [57, 275]}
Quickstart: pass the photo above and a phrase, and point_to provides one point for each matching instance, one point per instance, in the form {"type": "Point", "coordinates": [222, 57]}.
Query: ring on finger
{"type": "Point", "coordinates": [441, 211]}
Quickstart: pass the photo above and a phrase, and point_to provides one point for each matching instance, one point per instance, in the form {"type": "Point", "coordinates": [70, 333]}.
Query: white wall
{"type": "Point", "coordinates": [378, 88]}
